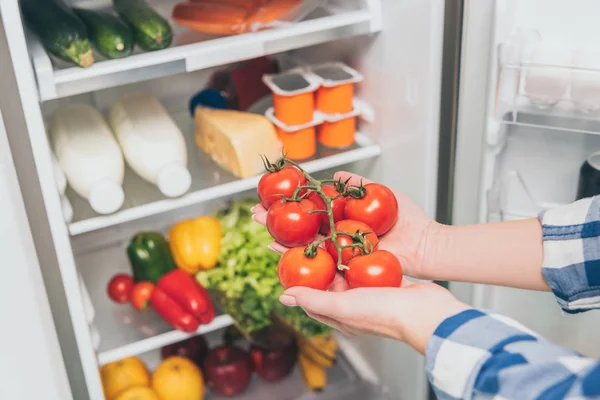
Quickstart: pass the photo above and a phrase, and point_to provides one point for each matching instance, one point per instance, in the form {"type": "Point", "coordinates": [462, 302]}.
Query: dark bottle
{"type": "Point", "coordinates": [589, 177]}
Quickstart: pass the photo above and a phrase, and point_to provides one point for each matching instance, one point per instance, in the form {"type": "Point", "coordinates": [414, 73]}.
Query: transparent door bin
{"type": "Point", "coordinates": [550, 85]}
{"type": "Point", "coordinates": [511, 199]}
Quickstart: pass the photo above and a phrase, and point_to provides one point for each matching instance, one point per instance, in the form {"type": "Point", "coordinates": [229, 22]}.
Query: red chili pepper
{"type": "Point", "coordinates": [187, 292]}
{"type": "Point", "coordinates": [172, 312]}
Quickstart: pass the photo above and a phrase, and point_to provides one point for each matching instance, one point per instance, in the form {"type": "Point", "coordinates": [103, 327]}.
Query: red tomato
{"type": "Point", "coordinates": [378, 208]}
{"type": "Point", "coordinates": [349, 226]}
{"type": "Point", "coordinates": [337, 207]}
{"type": "Point", "coordinates": [378, 269]}
{"type": "Point", "coordinates": [290, 223]}
{"type": "Point", "coordinates": [120, 287]}
{"type": "Point", "coordinates": [141, 294]}
{"type": "Point", "coordinates": [284, 182]}
{"type": "Point", "coordinates": [296, 269]}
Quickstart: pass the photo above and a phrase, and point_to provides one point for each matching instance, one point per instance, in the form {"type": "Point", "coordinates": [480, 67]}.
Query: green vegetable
{"type": "Point", "coordinates": [245, 279]}
{"type": "Point", "coordinates": [150, 256]}
{"type": "Point", "coordinates": [111, 36]}
{"type": "Point", "coordinates": [60, 31]}
{"type": "Point", "coordinates": [152, 32]}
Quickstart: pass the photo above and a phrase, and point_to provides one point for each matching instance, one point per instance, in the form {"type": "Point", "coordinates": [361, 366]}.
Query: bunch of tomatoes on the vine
{"type": "Point", "coordinates": [330, 226]}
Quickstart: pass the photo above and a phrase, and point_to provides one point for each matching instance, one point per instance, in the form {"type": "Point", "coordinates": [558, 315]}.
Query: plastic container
{"type": "Point", "coordinates": [336, 92]}
{"type": "Point", "coordinates": [293, 96]}
{"type": "Point", "coordinates": [153, 145]}
{"type": "Point", "coordinates": [232, 17]}
{"type": "Point", "coordinates": [299, 141]}
{"type": "Point", "coordinates": [89, 156]}
{"type": "Point", "coordinates": [338, 130]}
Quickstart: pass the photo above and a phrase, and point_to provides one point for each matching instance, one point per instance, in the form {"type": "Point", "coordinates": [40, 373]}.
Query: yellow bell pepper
{"type": "Point", "coordinates": [196, 243]}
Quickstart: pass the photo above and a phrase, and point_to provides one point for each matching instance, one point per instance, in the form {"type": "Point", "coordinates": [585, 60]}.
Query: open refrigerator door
{"type": "Point", "coordinates": [528, 122]}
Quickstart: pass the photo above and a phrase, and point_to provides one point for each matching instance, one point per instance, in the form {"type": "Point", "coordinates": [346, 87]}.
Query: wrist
{"type": "Point", "coordinates": [438, 241]}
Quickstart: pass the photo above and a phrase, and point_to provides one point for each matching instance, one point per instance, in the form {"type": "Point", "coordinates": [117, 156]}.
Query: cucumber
{"type": "Point", "coordinates": [151, 31]}
{"type": "Point", "coordinates": [111, 36]}
{"type": "Point", "coordinates": [61, 32]}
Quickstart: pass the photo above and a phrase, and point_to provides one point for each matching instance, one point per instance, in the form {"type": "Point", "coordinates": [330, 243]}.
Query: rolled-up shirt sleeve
{"type": "Point", "coordinates": [571, 240]}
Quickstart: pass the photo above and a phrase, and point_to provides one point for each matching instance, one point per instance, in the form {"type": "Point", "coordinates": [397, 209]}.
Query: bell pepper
{"type": "Point", "coordinates": [149, 256]}
{"type": "Point", "coordinates": [182, 302]}
{"type": "Point", "coordinates": [196, 243]}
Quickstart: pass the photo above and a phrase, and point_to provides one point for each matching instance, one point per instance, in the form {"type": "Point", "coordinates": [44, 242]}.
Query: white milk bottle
{"type": "Point", "coordinates": [89, 156]}
{"type": "Point", "coordinates": [153, 145]}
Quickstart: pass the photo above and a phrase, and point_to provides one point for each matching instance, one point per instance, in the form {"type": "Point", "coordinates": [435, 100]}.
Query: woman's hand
{"type": "Point", "coordinates": [408, 239]}
{"type": "Point", "coordinates": [410, 314]}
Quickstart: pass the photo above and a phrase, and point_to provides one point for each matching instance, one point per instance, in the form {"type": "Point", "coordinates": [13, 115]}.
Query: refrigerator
{"type": "Point", "coordinates": [454, 119]}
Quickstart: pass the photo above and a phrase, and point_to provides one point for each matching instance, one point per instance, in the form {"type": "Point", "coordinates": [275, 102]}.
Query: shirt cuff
{"type": "Point", "coordinates": [571, 236]}
{"type": "Point", "coordinates": [462, 344]}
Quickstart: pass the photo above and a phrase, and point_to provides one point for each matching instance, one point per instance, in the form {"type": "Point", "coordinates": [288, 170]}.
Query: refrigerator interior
{"type": "Point", "coordinates": [541, 125]}
{"type": "Point", "coordinates": [397, 46]}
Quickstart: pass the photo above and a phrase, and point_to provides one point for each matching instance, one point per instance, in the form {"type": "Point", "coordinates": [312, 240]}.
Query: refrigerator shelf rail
{"type": "Point", "coordinates": [193, 51]}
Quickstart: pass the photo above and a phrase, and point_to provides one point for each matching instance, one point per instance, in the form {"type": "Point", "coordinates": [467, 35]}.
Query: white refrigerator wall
{"type": "Point", "coordinates": [520, 170]}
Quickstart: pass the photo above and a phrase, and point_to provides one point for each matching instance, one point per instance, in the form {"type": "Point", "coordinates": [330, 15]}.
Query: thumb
{"type": "Point", "coordinates": [312, 300]}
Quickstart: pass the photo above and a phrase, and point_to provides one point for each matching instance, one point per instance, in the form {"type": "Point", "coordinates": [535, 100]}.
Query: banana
{"type": "Point", "coordinates": [315, 376]}
{"type": "Point", "coordinates": [320, 352]}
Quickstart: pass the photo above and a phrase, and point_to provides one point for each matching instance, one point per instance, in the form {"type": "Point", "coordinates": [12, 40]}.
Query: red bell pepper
{"type": "Point", "coordinates": [191, 300]}
{"type": "Point", "coordinates": [172, 312]}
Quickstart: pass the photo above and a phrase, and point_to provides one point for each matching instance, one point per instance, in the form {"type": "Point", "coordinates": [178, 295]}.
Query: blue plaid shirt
{"type": "Point", "coordinates": [478, 355]}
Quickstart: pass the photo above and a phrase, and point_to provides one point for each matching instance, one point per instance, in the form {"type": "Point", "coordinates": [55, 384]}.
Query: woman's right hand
{"type": "Point", "coordinates": [410, 239]}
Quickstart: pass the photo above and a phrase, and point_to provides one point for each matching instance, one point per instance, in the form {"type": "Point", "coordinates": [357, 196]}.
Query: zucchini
{"type": "Point", "coordinates": [109, 35]}
{"type": "Point", "coordinates": [61, 32]}
{"type": "Point", "coordinates": [151, 31]}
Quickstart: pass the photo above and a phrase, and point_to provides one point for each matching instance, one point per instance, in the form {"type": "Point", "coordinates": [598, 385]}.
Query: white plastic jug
{"type": "Point", "coordinates": [89, 156]}
{"type": "Point", "coordinates": [153, 145]}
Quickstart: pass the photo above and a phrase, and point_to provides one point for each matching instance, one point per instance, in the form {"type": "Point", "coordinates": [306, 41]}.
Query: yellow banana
{"type": "Point", "coordinates": [315, 377]}
{"type": "Point", "coordinates": [317, 351]}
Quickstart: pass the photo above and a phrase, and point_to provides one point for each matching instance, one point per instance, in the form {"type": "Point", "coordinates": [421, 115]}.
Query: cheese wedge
{"type": "Point", "coordinates": [236, 140]}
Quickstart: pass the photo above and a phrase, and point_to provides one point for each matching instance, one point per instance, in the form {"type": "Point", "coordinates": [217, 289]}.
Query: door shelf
{"type": "Point", "coordinates": [209, 182]}
{"type": "Point", "coordinates": [193, 51]}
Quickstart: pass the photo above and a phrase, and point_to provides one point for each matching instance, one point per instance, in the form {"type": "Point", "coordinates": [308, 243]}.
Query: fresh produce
{"type": "Point", "coordinates": [362, 233]}
{"type": "Point", "coordinates": [311, 267]}
{"type": "Point", "coordinates": [245, 280]}
{"type": "Point", "coordinates": [279, 182]}
{"type": "Point", "coordinates": [61, 32]}
{"type": "Point", "coordinates": [138, 393]}
{"type": "Point", "coordinates": [370, 210]}
{"type": "Point", "coordinates": [178, 378]}
{"type": "Point", "coordinates": [314, 375]}
{"type": "Point", "coordinates": [141, 295]}
{"type": "Point", "coordinates": [120, 287]}
{"type": "Point", "coordinates": [194, 348]}
{"type": "Point", "coordinates": [320, 349]}
{"type": "Point", "coordinates": [151, 31]}
{"type": "Point", "coordinates": [121, 375]}
{"type": "Point", "coordinates": [149, 256]}
{"type": "Point", "coordinates": [373, 204]}
{"type": "Point", "coordinates": [337, 206]}
{"type": "Point", "coordinates": [236, 139]}
{"type": "Point", "coordinates": [173, 313]}
{"type": "Point", "coordinates": [293, 223]}
{"type": "Point", "coordinates": [187, 292]}
{"type": "Point", "coordinates": [182, 301]}
{"type": "Point", "coordinates": [196, 243]}
{"type": "Point", "coordinates": [377, 269]}
{"type": "Point", "coordinates": [275, 362]}
{"type": "Point", "coordinates": [228, 370]}
{"type": "Point", "coordinates": [111, 36]}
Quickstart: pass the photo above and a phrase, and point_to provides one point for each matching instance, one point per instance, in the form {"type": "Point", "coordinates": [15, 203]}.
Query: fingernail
{"type": "Point", "coordinates": [286, 300]}
{"type": "Point", "coordinates": [272, 248]}
{"type": "Point", "coordinates": [252, 209]}
{"type": "Point", "coordinates": [254, 218]}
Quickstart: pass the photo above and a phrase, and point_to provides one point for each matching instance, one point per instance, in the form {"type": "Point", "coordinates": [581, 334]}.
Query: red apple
{"type": "Point", "coordinates": [274, 360]}
{"type": "Point", "coordinates": [227, 370]}
{"type": "Point", "coordinates": [194, 348]}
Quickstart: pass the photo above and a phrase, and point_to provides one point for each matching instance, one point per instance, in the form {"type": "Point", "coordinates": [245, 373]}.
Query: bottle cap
{"type": "Point", "coordinates": [106, 197]}
{"type": "Point", "coordinates": [174, 180]}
